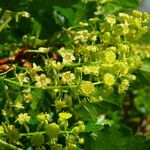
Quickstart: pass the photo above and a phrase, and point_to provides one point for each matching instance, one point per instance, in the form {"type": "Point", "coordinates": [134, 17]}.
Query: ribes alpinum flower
{"type": "Point", "coordinates": [67, 56]}
{"type": "Point", "coordinates": [23, 118]}
{"type": "Point", "coordinates": [91, 70]}
{"type": "Point", "coordinates": [109, 79]}
{"type": "Point", "coordinates": [87, 64]}
{"type": "Point", "coordinates": [19, 105]}
{"type": "Point", "coordinates": [43, 117]}
{"type": "Point", "coordinates": [123, 86]}
{"type": "Point", "coordinates": [110, 56]}
{"type": "Point", "coordinates": [87, 88]}
{"type": "Point", "coordinates": [42, 80]}
{"type": "Point", "coordinates": [67, 77]}
{"type": "Point", "coordinates": [22, 78]}
{"type": "Point", "coordinates": [59, 104]}
{"type": "Point", "coordinates": [65, 115]}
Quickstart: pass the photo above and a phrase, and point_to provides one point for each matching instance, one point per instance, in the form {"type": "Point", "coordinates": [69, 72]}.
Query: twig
{"type": "Point", "coordinates": [10, 146]}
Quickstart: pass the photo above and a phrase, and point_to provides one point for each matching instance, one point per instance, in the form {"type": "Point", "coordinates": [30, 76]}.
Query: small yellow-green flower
{"type": "Point", "coordinates": [23, 118]}
{"type": "Point", "coordinates": [44, 49]}
{"type": "Point", "coordinates": [19, 105]}
{"type": "Point", "coordinates": [59, 104]}
{"type": "Point", "coordinates": [42, 80]}
{"type": "Point", "coordinates": [106, 37]}
{"type": "Point", "coordinates": [123, 48]}
{"type": "Point", "coordinates": [92, 48]}
{"type": "Point", "coordinates": [67, 77]}
{"type": "Point", "coordinates": [111, 19]}
{"type": "Point", "coordinates": [36, 68]}
{"type": "Point", "coordinates": [56, 65]}
{"type": "Point", "coordinates": [137, 13]}
{"type": "Point", "coordinates": [87, 87]}
{"type": "Point", "coordinates": [28, 97]}
{"type": "Point", "coordinates": [121, 67]}
{"type": "Point", "coordinates": [83, 24]}
{"type": "Point", "coordinates": [67, 56]}
{"type": "Point", "coordinates": [123, 86]}
{"type": "Point", "coordinates": [125, 28]}
{"type": "Point", "coordinates": [22, 78]}
{"type": "Point", "coordinates": [124, 17]}
{"type": "Point", "coordinates": [65, 115]}
{"type": "Point", "coordinates": [94, 99]}
{"type": "Point", "coordinates": [138, 22]}
{"type": "Point", "coordinates": [43, 117]}
{"type": "Point", "coordinates": [91, 70]}
{"type": "Point", "coordinates": [94, 19]}
{"type": "Point", "coordinates": [110, 56]}
{"type": "Point", "coordinates": [82, 36]}
{"type": "Point", "coordinates": [109, 79]}
{"type": "Point", "coordinates": [1, 130]}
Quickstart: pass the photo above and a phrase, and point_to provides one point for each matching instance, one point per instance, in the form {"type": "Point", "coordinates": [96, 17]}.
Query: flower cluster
{"type": "Point", "coordinates": [99, 58]}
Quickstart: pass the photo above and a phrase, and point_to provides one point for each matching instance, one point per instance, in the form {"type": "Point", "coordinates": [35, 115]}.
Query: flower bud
{"type": "Point", "coordinates": [37, 139]}
{"type": "Point", "coordinates": [53, 130]}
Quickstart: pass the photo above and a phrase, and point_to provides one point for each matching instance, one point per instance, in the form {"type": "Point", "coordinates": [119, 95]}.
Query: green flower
{"type": "Point", "coordinates": [109, 79]}
{"type": "Point", "coordinates": [123, 86]}
{"type": "Point", "coordinates": [82, 36]}
{"type": "Point", "coordinates": [59, 104]}
{"type": "Point", "coordinates": [65, 115]}
{"type": "Point", "coordinates": [67, 56]}
{"type": "Point", "coordinates": [23, 118]}
{"type": "Point", "coordinates": [87, 88]}
{"type": "Point", "coordinates": [42, 80]}
{"type": "Point", "coordinates": [110, 56]}
{"type": "Point", "coordinates": [67, 77]}
{"type": "Point", "coordinates": [137, 13]}
{"type": "Point", "coordinates": [44, 50]}
{"type": "Point", "coordinates": [1, 130]}
{"type": "Point", "coordinates": [43, 117]}
{"type": "Point", "coordinates": [111, 19]}
{"type": "Point", "coordinates": [91, 70]}
{"type": "Point", "coordinates": [22, 78]}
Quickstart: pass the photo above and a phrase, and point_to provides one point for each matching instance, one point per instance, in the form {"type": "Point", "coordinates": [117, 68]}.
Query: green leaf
{"type": "Point", "coordinates": [86, 112]}
{"type": "Point", "coordinates": [37, 98]}
{"type": "Point", "coordinates": [36, 27]}
{"type": "Point", "coordinates": [66, 3]}
{"type": "Point", "coordinates": [145, 69]}
{"type": "Point", "coordinates": [19, 98]}
{"type": "Point", "coordinates": [73, 14]}
{"type": "Point", "coordinates": [111, 8]}
{"type": "Point", "coordinates": [66, 12]}
{"type": "Point", "coordinates": [117, 138]}
{"type": "Point", "coordinates": [127, 3]}
{"type": "Point", "coordinates": [91, 126]}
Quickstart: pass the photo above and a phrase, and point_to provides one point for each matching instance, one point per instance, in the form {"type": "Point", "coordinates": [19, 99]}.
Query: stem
{"type": "Point", "coordinates": [5, 72]}
{"type": "Point", "coordinates": [17, 83]}
{"type": "Point", "coordinates": [34, 87]}
{"type": "Point", "coordinates": [31, 133]}
{"type": "Point", "coordinates": [83, 64]}
{"type": "Point", "coordinates": [49, 87]}
{"type": "Point", "coordinates": [34, 51]}
{"type": "Point", "coordinates": [42, 132]}
{"type": "Point", "coordinates": [5, 23]}
{"type": "Point", "coordinates": [97, 83]}
{"type": "Point", "coordinates": [10, 146]}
